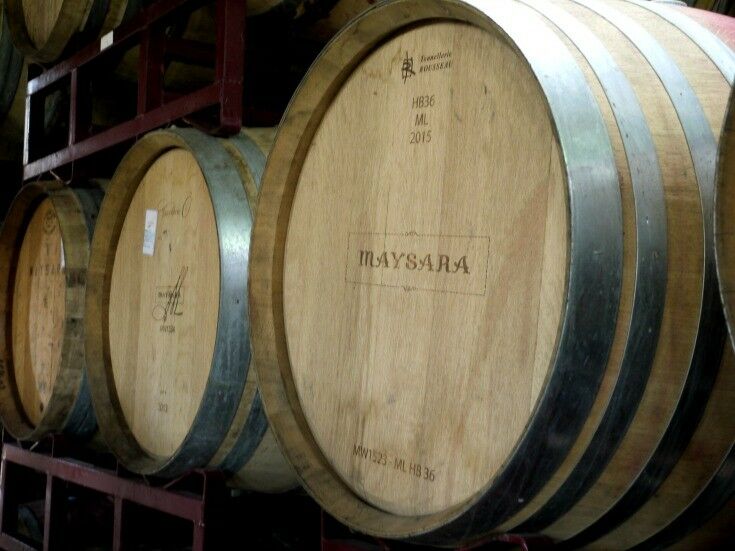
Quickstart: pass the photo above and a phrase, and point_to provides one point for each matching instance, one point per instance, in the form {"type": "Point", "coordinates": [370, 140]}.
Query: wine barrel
{"type": "Point", "coordinates": [12, 95]}
{"type": "Point", "coordinates": [44, 246]}
{"type": "Point", "coordinates": [167, 340]}
{"type": "Point", "coordinates": [489, 303]}
{"type": "Point", "coordinates": [43, 30]}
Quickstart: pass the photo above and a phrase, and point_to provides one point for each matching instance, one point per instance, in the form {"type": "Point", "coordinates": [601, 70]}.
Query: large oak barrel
{"type": "Point", "coordinates": [167, 340]}
{"type": "Point", "coordinates": [489, 302]}
{"type": "Point", "coordinates": [44, 247]}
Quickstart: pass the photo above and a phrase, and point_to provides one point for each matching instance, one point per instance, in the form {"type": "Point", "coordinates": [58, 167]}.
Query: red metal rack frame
{"type": "Point", "coordinates": [154, 108]}
{"type": "Point", "coordinates": [195, 508]}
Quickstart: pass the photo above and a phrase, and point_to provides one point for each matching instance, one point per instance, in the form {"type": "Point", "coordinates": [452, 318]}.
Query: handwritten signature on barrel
{"type": "Point", "coordinates": [161, 313]}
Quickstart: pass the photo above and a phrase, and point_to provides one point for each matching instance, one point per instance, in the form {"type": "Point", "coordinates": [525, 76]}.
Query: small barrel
{"type": "Point", "coordinates": [167, 339]}
{"type": "Point", "coordinates": [489, 302]}
{"type": "Point", "coordinates": [44, 248]}
{"type": "Point", "coordinates": [44, 29]}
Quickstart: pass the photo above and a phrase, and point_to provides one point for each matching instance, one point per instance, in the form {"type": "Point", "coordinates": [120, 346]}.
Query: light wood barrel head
{"type": "Point", "coordinates": [164, 298]}
{"type": "Point", "coordinates": [39, 311]}
{"type": "Point", "coordinates": [167, 338]}
{"type": "Point", "coordinates": [42, 17]}
{"type": "Point", "coordinates": [429, 262]}
{"type": "Point", "coordinates": [42, 360]}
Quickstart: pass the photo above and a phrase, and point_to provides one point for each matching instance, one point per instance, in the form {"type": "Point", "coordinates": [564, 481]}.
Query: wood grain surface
{"type": "Point", "coordinates": [403, 275]}
{"type": "Point", "coordinates": [163, 307]}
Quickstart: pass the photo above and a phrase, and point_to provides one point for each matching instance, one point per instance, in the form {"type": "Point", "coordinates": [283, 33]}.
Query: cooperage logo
{"type": "Point", "coordinates": [49, 222]}
{"type": "Point", "coordinates": [407, 68]}
{"type": "Point", "coordinates": [168, 303]}
{"type": "Point", "coordinates": [436, 61]}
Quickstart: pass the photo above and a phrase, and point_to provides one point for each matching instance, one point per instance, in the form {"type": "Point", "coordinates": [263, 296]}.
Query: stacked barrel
{"type": "Point", "coordinates": [44, 250]}
{"type": "Point", "coordinates": [167, 318]}
{"type": "Point", "coordinates": [471, 285]}
{"type": "Point", "coordinates": [488, 302]}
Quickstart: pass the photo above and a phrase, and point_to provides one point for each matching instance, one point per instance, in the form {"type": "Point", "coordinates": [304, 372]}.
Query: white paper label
{"type": "Point", "coordinates": [107, 40]}
{"type": "Point", "coordinates": [149, 233]}
{"type": "Point", "coordinates": [62, 261]}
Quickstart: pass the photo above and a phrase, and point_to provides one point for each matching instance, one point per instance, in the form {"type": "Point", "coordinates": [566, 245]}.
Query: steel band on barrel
{"type": "Point", "coordinates": [651, 265]}
{"type": "Point", "coordinates": [707, 350]}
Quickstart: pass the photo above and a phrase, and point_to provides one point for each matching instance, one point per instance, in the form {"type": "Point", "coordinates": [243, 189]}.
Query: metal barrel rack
{"type": "Point", "coordinates": [196, 498]}
{"type": "Point", "coordinates": [52, 473]}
